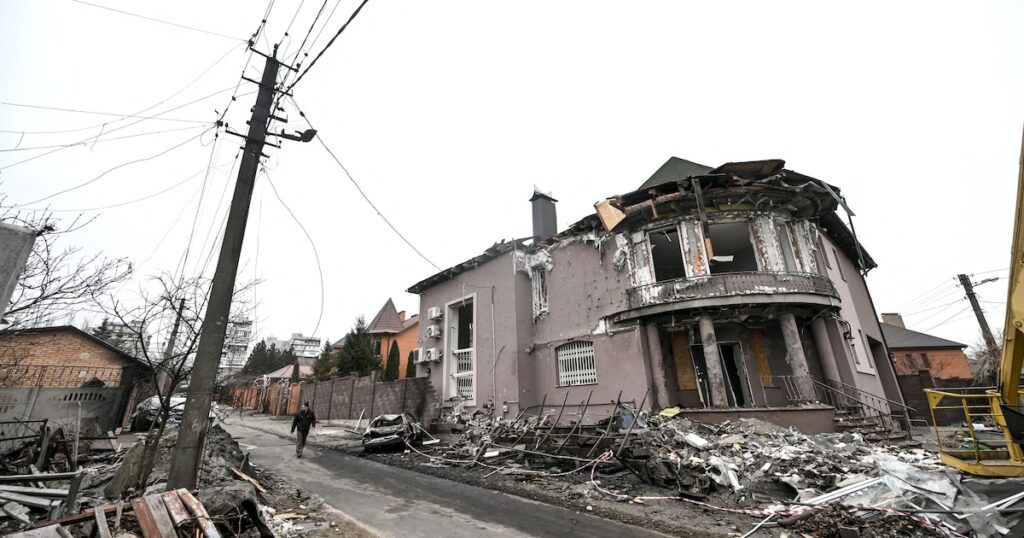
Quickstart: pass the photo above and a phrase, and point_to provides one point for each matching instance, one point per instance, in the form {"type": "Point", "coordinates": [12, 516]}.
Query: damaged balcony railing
{"type": "Point", "coordinates": [855, 406]}
{"type": "Point", "coordinates": [729, 285]}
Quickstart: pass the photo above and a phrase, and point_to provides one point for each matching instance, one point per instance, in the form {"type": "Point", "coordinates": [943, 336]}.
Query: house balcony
{"type": "Point", "coordinates": [729, 289]}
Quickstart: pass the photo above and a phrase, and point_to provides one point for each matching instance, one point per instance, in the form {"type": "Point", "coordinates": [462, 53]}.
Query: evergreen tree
{"type": "Point", "coordinates": [356, 355]}
{"type": "Point", "coordinates": [265, 359]}
{"type": "Point", "coordinates": [391, 367]}
{"type": "Point", "coordinates": [410, 367]}
{"type": "Point", "coordinates": [105, 332]}
{"type": "Point", "coordinates": [325, 364]}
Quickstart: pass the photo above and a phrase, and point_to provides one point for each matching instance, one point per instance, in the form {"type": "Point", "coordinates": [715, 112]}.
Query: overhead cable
{"type": "Point", "coordinates": [161, 21]}
{"type": "Point", "coordinates": [192, 102]}
{"type": "Point", "coordinates": [122, 165]}
{"type": "Point", "coordinates": [329, 43]}
{"type": "Point", "coordinates": [316, 254]}
{"type": "Point", "coordinates": [97, 140]}
{"type": "Point", "coordinates": [363, 194]}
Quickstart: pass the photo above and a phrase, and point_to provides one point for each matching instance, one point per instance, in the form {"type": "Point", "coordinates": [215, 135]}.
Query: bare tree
{"type": "Point", "coordinates": [173, 309]}
{"type": "Point", "coordinates": [58, 279]}
{"type": "Point", "coordinates": [985, 361]}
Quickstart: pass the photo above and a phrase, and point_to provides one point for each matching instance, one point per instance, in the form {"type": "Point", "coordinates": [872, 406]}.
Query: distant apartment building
{"type": "Point", "coordinates": [235, 352]}
{"type": "Point", "coordinates": [306, 348]}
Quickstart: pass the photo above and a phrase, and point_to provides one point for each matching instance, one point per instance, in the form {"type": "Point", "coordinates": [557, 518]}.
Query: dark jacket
{"type": "Point", "coordinates": [304, 420]}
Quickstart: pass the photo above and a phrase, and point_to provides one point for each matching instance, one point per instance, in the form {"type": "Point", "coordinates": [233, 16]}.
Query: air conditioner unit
{"type": "Point", "coordinates": [429, 355]}
{"type": "Point", "coordinates": [434, 331]}
{"type": "Point", "coordinates": [434, 313]}
{"type": "Point", "coordinates": [417, 355]}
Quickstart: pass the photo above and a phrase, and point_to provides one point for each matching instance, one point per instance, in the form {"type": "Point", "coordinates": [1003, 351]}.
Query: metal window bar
{"type": "Point", "coordinates": [463, 374]}
{"type": "Point", "coordinates": [576, 364]}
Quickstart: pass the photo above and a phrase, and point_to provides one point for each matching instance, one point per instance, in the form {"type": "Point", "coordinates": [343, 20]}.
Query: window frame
{"type": "Point", "coordinates": [585, 357]}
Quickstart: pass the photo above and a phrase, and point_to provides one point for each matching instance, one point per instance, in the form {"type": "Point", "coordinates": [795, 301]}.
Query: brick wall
{"type": "Point", "coordinates": [58, 358]}
{"type": "Point", "coordinates": [348, 397]}
{"type": "Point", "coordinates": [940, 363]}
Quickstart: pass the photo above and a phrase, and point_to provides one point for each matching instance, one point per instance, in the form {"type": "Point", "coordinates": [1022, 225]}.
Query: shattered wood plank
{"type": "Point", "coordinates": [17, 512]}
{"type": "Point", "coordinates": [36, 477]}
{"type": "Point", "coordinates": [38, 492]}
{"type": "Point", "coordinates": [71, 501]}
{"type": "Point", "coordinates": [27, 500]}
{"type": "Point", "coordinates": [146, 523]}
{"type": "Point", "coordinates": [163, 522]}
{"type": "Point", "coordinates": [102, 529]}
{"type": "Point", "coordinates": [39, 532]}
{"type": "Point", "coordinates": [179, 514]}
{"type": "Point", "coordinates": [199, 513]}
{"type": "Point", "coordinates": [249, 479]}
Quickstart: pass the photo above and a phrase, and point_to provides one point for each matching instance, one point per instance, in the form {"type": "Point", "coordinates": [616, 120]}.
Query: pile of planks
{"type": "Point", "coordinates": [160, 515]}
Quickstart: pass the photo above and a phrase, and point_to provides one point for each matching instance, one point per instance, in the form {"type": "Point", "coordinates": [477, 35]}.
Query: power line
{"type": "Point", "coordinates": [950, 318]}
{"type": "Point", "coordinates": [328, 45]}
{"type": "Point", "coordinates": [122, 165]}
{"type": "Point", "coordinates": [199, 206]}
{"type": "Point", "coordinates": [122, 204]}
{"type": "Point", "coordinates": [161, 21]}
{"type": "Point", "coordinates": [122, 116]}
{"type": "Point", "coordinates": [360, 189]}
{"type": "Point", "coordinates": [289, 28]}
{"type": "Point", "coordinates": [310, 31]}
{"type": "Point", "coordinates": [316, 254]}
{"type": "Point", "coordinates": [51, 152]}
{"type": "Point", "coordinates": [326, 22]}
{"type": "Point", "coordinates": [148, 108]}
{"type": "Point", "coordinates": [97, 140]}
{"type": "Point", "coordinates": [923, 310]}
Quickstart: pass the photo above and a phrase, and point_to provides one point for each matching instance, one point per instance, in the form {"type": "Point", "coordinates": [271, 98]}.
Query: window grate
{"type": "Point", "coordinates": [464, 375]}
{"type": "Point", "coordinates": [576, 364]}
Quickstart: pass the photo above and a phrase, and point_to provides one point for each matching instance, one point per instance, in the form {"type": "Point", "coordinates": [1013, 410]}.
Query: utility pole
{"type": "Point", "coordinates": [986, 333]}
{"type": "Point", "coordinates": [195, 420]}
{"type": "Point", "coordinates": [162, 377]}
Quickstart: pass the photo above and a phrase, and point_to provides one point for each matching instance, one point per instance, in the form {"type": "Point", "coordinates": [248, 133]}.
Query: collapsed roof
{"type": "Point", "coordinates": [672, 190]}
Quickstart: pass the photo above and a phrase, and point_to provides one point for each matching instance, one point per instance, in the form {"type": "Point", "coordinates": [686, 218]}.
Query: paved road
{"type": "Point", "coordinates": [396, 502]}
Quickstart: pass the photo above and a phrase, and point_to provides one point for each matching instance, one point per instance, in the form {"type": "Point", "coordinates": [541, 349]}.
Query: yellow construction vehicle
{"type": "Point", "coordinates": [973, 449]}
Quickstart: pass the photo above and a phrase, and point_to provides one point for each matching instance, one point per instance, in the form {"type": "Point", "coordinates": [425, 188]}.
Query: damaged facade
{"type": "Point", "coordinates": [722, 291]}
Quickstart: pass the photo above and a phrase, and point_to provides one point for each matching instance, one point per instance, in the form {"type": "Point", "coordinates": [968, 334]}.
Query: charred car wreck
{"type": "Point", "coordinates": [729, 291]}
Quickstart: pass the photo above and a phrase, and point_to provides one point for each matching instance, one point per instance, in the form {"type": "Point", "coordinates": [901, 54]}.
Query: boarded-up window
{"type": "Point", "coordinates": [761, 358]}
{"type": "Point", "coordinates": [686, 375]}
{"type": "Point", "coordinates": [576, 364]}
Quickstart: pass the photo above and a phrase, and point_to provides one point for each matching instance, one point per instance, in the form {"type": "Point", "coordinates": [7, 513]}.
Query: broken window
{"type": "Point", "coordinates": [667, 255]}
{"type": "Point", "coordinates": [839, 264]}
{"type": "Point", "coordinates": [576, 364]}
{"type": "Point", "coordinates": [786, 242]}
{"type": "Point", "coordinates": [461, 356]}
{"type": "Point", "coordinates": [539, 285]}
{"type": "Point", "coordinates": [731, 248]}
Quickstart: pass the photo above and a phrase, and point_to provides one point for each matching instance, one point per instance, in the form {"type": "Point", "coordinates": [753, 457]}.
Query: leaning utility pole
{"type": "Point", "coordinates": [986, 333]}
{"type": "Point", "coordinates": [162, 377]}
{"type": "Point", "coordinates": [195, 420]}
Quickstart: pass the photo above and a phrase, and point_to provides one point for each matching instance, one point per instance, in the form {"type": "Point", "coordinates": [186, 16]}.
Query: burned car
{"type": "Point", "coordinates": [391, 431]}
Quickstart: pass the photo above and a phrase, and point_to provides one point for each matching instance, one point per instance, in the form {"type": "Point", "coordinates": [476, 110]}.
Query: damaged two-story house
{"type": "Point", "coordinates": [733, 291]}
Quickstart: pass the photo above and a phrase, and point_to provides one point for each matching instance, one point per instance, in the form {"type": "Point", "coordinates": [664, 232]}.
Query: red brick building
{"type": "Point", "coordinates": [64, 356]}
{"type": "Point", "coordinates": [390, 325]}
{"type": "Point", "coordinates": [914, 351]}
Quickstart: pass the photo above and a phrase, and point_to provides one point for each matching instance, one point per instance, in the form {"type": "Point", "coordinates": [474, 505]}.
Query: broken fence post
{"type": "Point", "coordinates": [636, 417]}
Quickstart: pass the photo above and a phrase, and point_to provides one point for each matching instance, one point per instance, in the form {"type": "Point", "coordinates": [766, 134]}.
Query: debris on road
{"type": "Point", "coordinates": [744, 466]}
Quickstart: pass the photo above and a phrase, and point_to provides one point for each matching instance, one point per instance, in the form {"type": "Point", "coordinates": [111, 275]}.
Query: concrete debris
{"type": "Point", "coordinates": [745, 463]}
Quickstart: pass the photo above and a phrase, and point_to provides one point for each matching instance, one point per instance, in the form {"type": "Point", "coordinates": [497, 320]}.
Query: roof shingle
{"type": "Point", "coordinates": [901, 338]}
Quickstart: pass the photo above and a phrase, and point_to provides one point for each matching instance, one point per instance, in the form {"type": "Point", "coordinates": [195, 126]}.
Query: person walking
{"type": "Point", "coordinates": [303, 421]}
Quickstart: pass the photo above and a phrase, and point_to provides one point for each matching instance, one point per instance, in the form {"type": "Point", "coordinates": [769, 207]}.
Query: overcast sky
{"type": "Point", "coordinates": [448, 114]}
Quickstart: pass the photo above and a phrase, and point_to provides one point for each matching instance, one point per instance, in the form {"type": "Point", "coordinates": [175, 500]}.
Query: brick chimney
{"type": "Point", "coordinates": [545, 224]}
{"type": "Point", "coordinates": [401, 316]}
{"type": "Point", "coordinates": [893, 318]}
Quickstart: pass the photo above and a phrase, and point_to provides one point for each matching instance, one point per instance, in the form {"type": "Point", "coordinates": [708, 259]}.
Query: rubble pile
{"type": "Point", "coordinates": [744, 464]}
{"type": "Point", "coordinates": [838, 521]}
